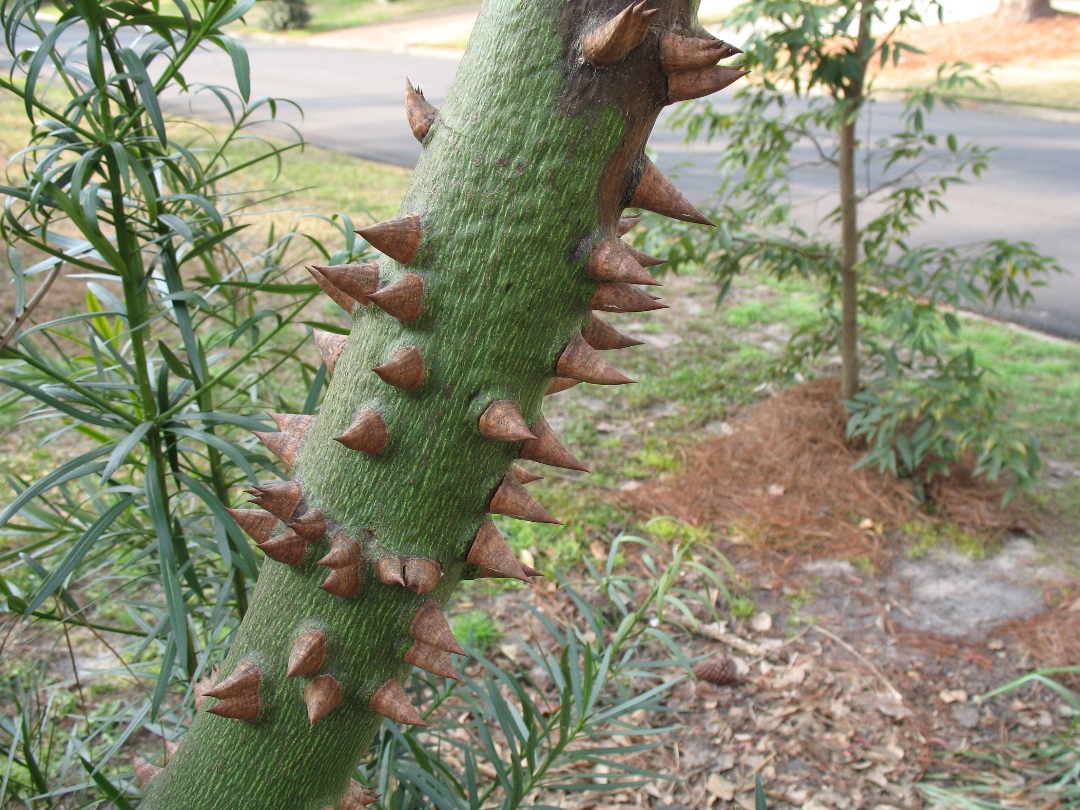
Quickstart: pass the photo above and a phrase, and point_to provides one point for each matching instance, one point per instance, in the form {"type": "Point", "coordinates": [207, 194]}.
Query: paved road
{"type": "Point", "coordinates": [352, 102]}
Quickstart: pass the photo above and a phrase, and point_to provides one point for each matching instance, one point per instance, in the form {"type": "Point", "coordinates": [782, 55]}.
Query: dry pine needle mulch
{"type": "Point", "coordinates": [785, 477]}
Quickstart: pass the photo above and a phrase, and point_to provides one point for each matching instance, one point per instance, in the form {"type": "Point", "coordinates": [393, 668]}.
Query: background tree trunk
{"type": "Point", "coordinates": [1024, 11]}
{"type": "Point", "coordinates": [507, 239]}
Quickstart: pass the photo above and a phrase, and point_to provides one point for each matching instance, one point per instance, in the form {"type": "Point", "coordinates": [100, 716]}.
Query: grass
{"type": "Point", "coordinates": [333, 15]}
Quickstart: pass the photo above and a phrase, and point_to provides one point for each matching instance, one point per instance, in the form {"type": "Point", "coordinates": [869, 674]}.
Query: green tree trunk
{"type": "Point", "coordinates": [507, 239]}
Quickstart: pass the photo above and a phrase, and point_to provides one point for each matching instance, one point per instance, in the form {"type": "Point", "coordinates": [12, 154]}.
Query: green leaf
{"type": "Point", "coordinates": [147, 92]}
{"type": "Point", "coordinates": [123, 448]}
{"type": "Point", "coordinates": [76, 468]}
{"type": "Point", "coordinates": [170, 581]}
{"type": "Point", "coordinates": [59, 574]}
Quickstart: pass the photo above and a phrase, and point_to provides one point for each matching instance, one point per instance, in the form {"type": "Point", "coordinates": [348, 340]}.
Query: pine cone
{"type": "Point", "coordinates": [718, 670]}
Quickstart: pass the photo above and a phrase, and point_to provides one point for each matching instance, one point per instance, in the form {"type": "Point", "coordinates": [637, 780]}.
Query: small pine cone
{"type": "Point", "coordinates": [718, 670]}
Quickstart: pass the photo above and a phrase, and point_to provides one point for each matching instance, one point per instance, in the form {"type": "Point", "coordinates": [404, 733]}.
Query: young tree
{"type": "Point", "coordinates": [922, 402]}
{"type": "Point", "coordinates": [508, 239]}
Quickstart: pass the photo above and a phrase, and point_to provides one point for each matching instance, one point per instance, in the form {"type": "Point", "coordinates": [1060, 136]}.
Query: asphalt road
{"type": "Point", "coordinates": [352, 103]}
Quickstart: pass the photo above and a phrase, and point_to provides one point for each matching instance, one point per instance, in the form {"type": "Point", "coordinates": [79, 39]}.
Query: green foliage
{"type": "Point", "coordinates": [591, 693]}
{"type": "Point", "coordinates": [286, 15]}
{"type": "Point", "coordinates": [928, 402]}
{"type": "Point", "coordinates": [477, 629]}
{"type": "Point", "coordinates": [1049, 771]}
{"type": "Point", "coordinates": [149, 393]}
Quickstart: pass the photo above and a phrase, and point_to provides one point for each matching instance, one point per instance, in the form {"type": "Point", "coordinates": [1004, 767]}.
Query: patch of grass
{"type": "Point", "coordinates": [333, 15]}
{"type": "Point", "coordinates": [925, 535]}
{"type": "Point", "coordinates": [477, 629]}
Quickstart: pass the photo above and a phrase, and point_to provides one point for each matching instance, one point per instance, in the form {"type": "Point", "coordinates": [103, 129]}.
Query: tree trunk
{"type": "Point", "coordinates": [849, 216]}
{"type": "Point", "coordinates": [1024, 11]}
{"type": "Point", "coordinates": [507, 238]}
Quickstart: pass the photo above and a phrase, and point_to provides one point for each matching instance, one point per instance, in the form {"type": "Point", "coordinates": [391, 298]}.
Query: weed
{"type": "Point", "coordinates": [478, 629]}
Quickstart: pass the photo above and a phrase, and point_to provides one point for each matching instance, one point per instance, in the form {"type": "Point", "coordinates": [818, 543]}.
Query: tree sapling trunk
{"type": "Point", "coordinates": [506, 242]}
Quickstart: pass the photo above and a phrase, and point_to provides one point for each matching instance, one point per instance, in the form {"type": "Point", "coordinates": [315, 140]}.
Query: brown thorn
{"type": "Point", "coordinates": [343, 582]}
{"type": "Point", "coordinates": [559, 384]}
{"type": "Point", "coordinates": [282, 445]}
{"type": "Point", "coordinates": [339, 297]}
{"type": "Point", "coordinates": [322, 695]}
{"type": "Point", "coordinates": [420, 112]}
{"type": "Point", "coordinates": [307, 654]}
{"type": "Point", "coordinates": [501, 421]}
{"type": "Point", "coordinates": [390, 570]}
{"type": "Point", "coordinates": [358, 281]}
{"type": "Point", "coordinates": [391, 701]}
{"type": "Point", "coordinates": [311, 525]}
{"type": "Point", "coordinates": [296, 423]}
{"type": "Point", "coordinates": [367, 433]}
{"type": "Point", "coordinates": [524, 476]}
{"type": "Point", "coordinates": [280, 498]}
{"type": "Point", "coordinates": [429, 625]}
{"type": "Point", "coordinates": [431, 659]}
{"type": "Point", "coordinates": [602, 336]}
{"type": "Point", "coordinates": [580, 361]}
{"type": "Point", "coordinates": [548, 449]}
{"type": "Point", "coordinates": [144, 771]}
{"type": "Point", "coordinates": [530, 571]}
{"type": "Point", "coordinates": [402, 299]}
{"type": "Point", "coordinates": [403, 369]}
{"type": "Point", "coordinates": [684, 85]}
{"type": "Point", "coordinates": [286, 548]}
{"type": "Point", "coordinates": [421, 574]}
{"type": "Point", "coordinates": [643, 258]}
{"type": "Point", "coordinates": [238, 695]}
{"type": "Point", "coordinates": [512, 499]}
{"type": "Point", "coordinates": [344, 553]}
{"type": "Point", "coordinates": [655, 192]}
{"type": "Point", "coordinates": [678, 52]}
{"type": "Point", "coordinates": [356, 797]}
{"type": "Point", "coordinates": [614, 39]}
{"type": "Point", "coordinates": [626, 223]}
{"type": "Point", "coordinates": [397, 238]}
{"type": "Point", "coordinates": [489, 550]}
{"type": "Point", "coordinates": [258, 525]}
{"type": "Point", "coordinates": [610, 260]}
{"type": "Point", "coordinates": [330, 346]}
{"type": "Point", "coordinates": [613, 296]}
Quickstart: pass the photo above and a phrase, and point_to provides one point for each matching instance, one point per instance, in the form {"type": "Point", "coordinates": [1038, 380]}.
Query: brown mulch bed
{"type": "Point", "coordinates": [785, 476]}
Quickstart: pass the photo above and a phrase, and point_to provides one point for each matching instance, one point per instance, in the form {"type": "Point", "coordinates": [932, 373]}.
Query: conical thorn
{"type": "Point", "coordinates": [501, 421]}
{"type": "Point", "coordinates": [420, 112]}
{"type": "Point", "coordinates": [613, 296]}
{"type": "Point", "coordinates": [610, 260]}
{"type": "Point", "coordinates": [678, 52]}
{"type": "Point", "coordinates": [322, 695]}
{"type": "Point", "coordinates": [431, 659]}
{"type": "Point", "coordinates": [344, 553]}
{"type": "Point", "coordinates": [330, 346]}
{"type": "Point", "coordinates": [311, 525]}
{"type": "Point", "coordinates": [684, 85]}
{"type": "Point", "coordinates": [367, 433]}
{"type": "Point", "coordinates": [548, 449]}
{"type": "Point", "coordinates": [358, 281]}
{"type": "Point", "coordinates": [391, 701]}
{"type": "Point", "coordinates": [338, 296]}
{"type": "Point", "coordinates": [286, 548]}
{"type": "Point", "coordinates": [281, 498]}
{"type": "Point", "coordinates": [397, 238]}
{"type": "Point", "coordinates": [580, 361]}
{"type": "Point", "coordinates": [307, 654]}
{"type": "Point", "coordinates": [429, 625]}
{"type": "Point", "coordinates": [490, 550]}
{"type": "Point", "coordinates": [343, 582]}
{"type": "Point", "coordinates": [258, 525]}
{"type": "Point", "coordinates": [403, 299]}
{"type": "Point", "coordinates": [403, 369]}
{"type": "Point", "coordinates": [602, 336]}
{"type": "Point", "coordinates": [614, 39]}
{"type": "Point", "coordinates": [512, 499]}
{"type": "Point", "coordinates": [656, 193]}
{"type": "Point", "coordinates": [421, 574]}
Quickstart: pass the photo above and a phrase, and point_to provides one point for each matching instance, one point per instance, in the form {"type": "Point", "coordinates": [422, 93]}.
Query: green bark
{"type": "Point", "coordinates": [529, 163]}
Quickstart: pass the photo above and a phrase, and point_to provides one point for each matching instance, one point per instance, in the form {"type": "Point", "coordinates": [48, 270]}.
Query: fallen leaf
{"type": "Point", "coordinates": [720, 788]}
{"type": "Point", "coordinates": [953, 696]}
